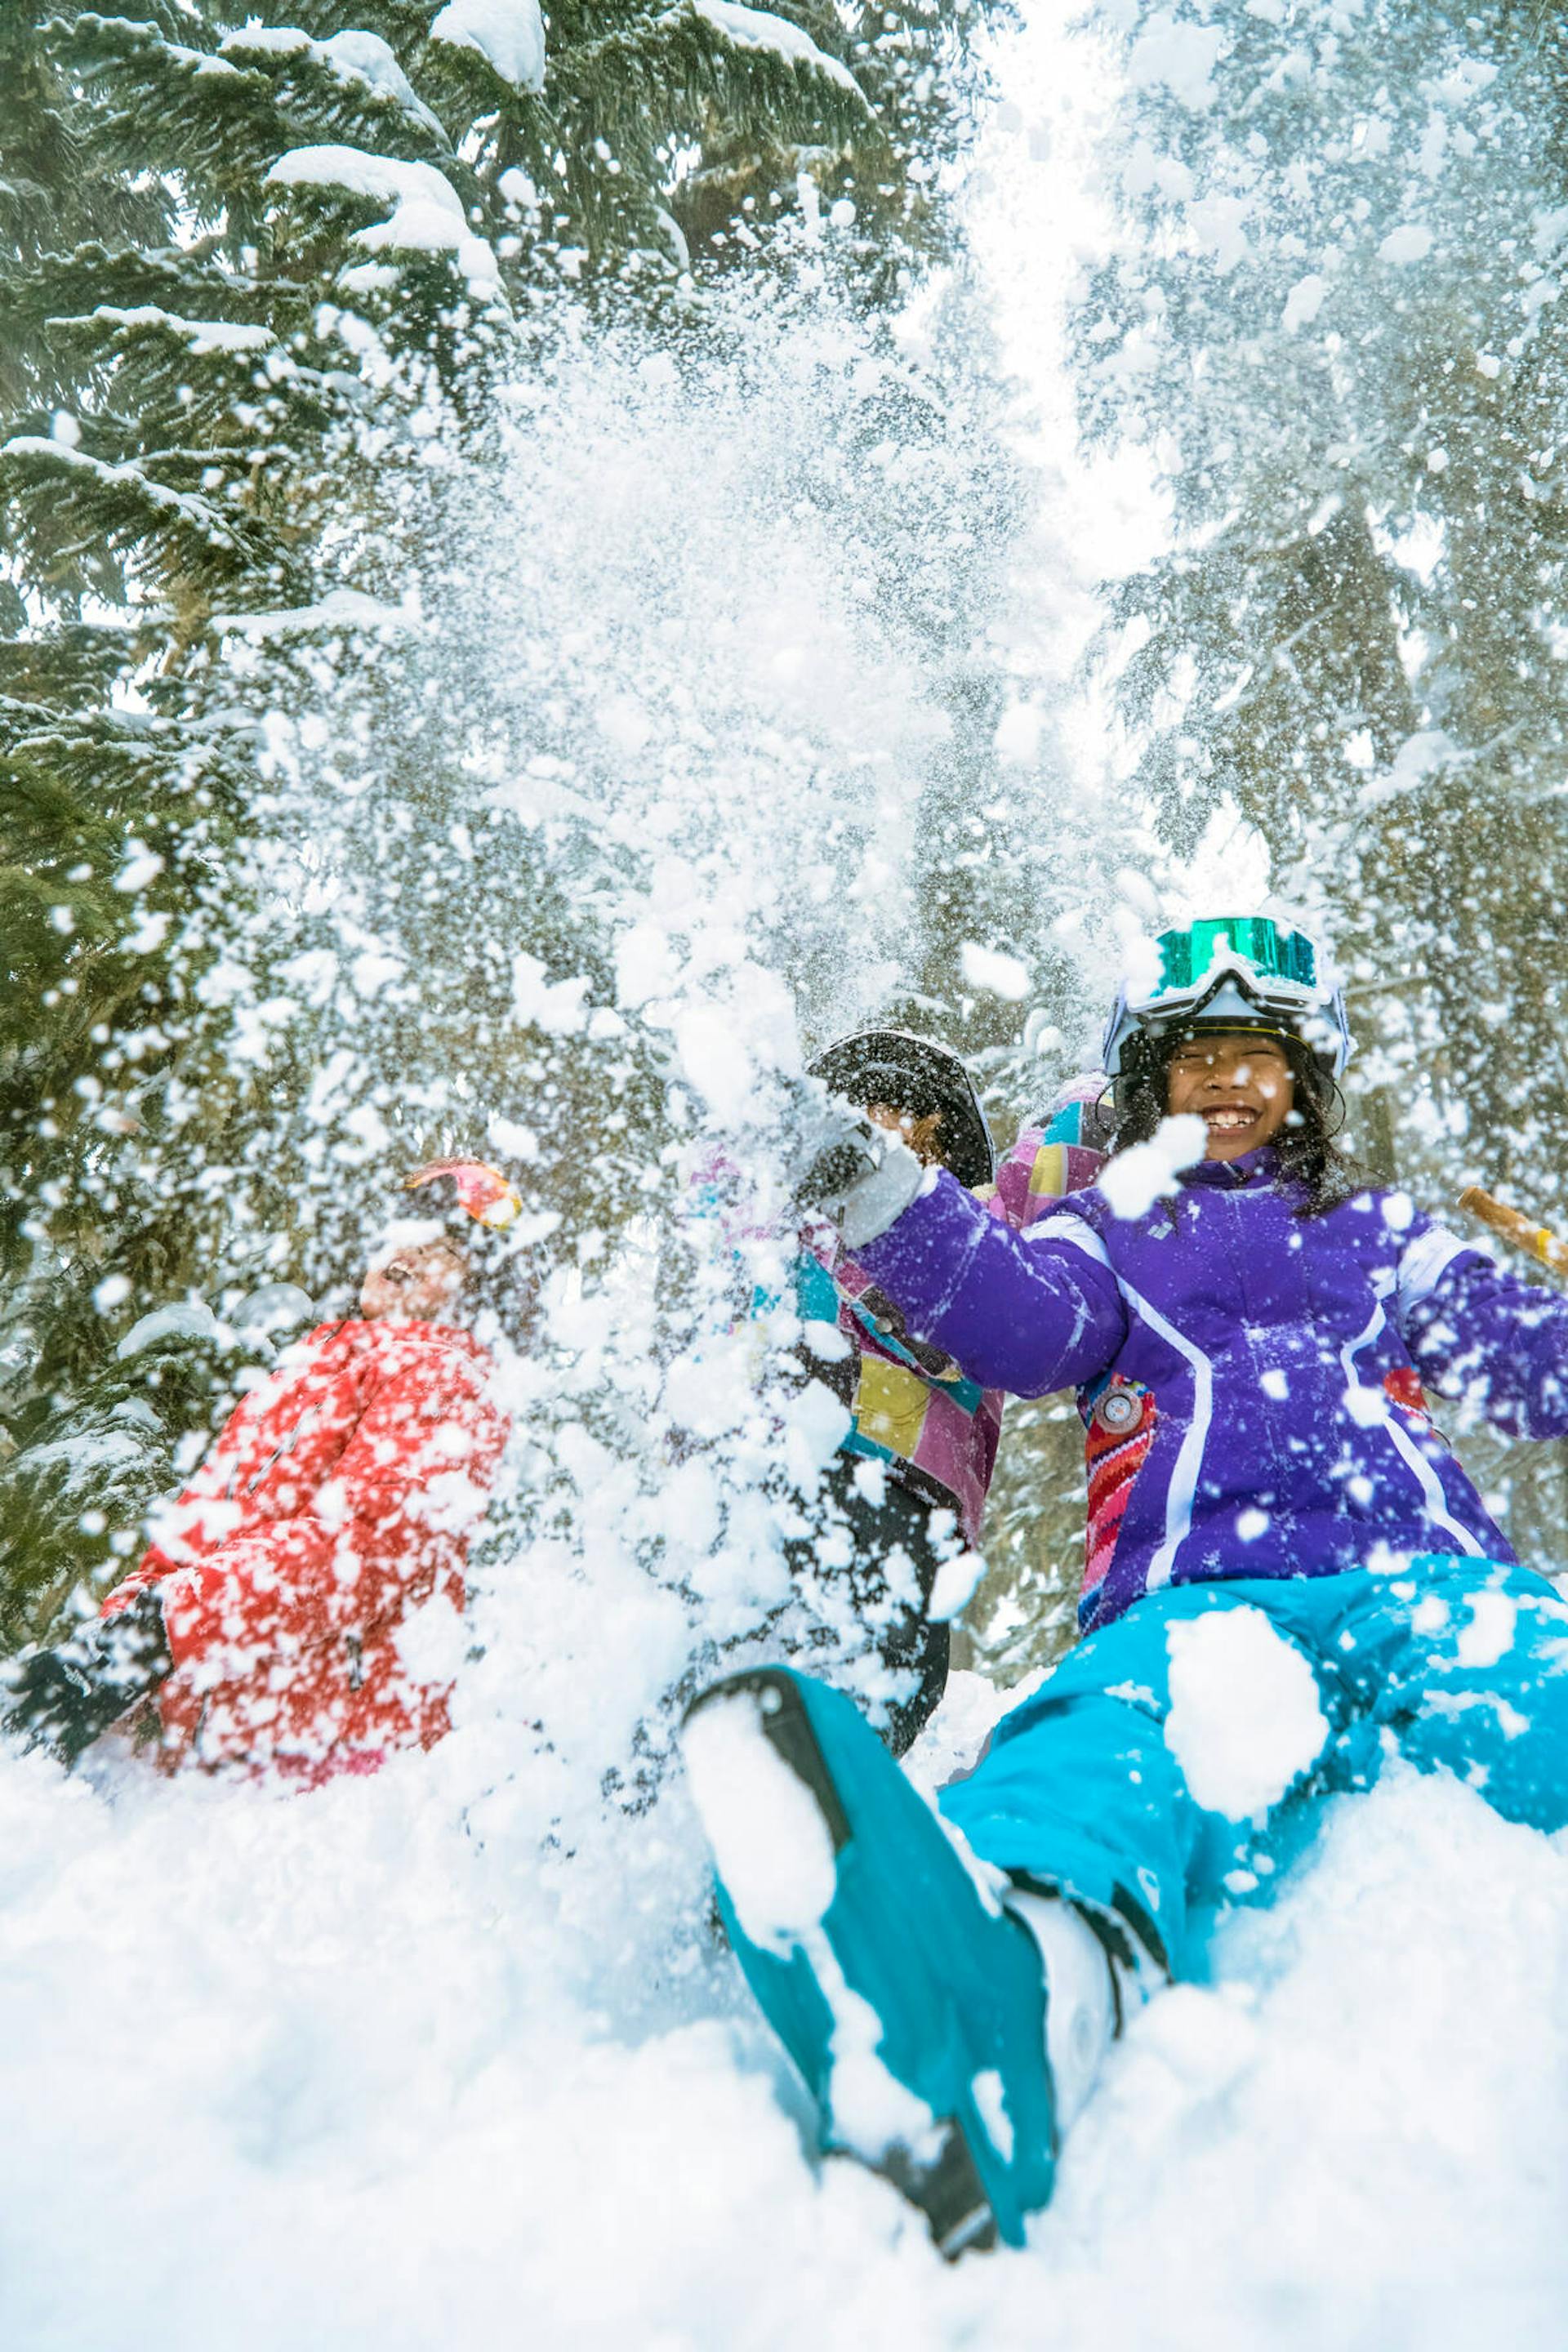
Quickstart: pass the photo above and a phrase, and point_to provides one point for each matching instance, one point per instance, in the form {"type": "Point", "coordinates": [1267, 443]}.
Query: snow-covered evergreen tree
{"type": "Point", "coordinates": [1342, 313]}
{"type": "Point", "coordinates": [102, 806]}
{"type": "Point", "coordinates": [287, 256]}
{"type": "Point", "coordinates": [1338, 326]}
{"type": "Point", "coordinates": [75, 1494]}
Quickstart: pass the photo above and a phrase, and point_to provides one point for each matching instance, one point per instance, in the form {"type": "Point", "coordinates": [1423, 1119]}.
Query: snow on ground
{"type": "Point", "coordinates": [341, 2072]}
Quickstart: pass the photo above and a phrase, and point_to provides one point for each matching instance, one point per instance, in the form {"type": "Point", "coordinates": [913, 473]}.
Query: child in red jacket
{"type": "Point", "coordinates": [276, 1619]}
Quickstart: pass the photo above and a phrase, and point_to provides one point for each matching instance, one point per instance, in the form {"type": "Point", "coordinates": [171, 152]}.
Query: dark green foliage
{"type": "Point", "coordinates": [49, 201]}
{"type": "Point", "coordinates": [107, 857]}
{"type": "Point", "coordinates": [74, 1498]}
{"type": "Point", "coordinates": [218, 386]}
{"type": "Point", "coordinates": [1375, 540]}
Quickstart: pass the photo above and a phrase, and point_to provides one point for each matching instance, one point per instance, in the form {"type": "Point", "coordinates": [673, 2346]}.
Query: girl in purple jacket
{"type": "Point", "coordinates": [1287, 1576]}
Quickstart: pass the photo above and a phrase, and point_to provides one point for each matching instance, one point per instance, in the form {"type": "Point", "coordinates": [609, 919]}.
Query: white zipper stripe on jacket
{"type": "Point", "coordinates": [1065, 1225]}
{"type": "Point", "coordinates": [1423, 1262]}
{"type": "Point", "coordinates": [1183, 1489]}
{"type": "Point", "coordinates": [1404, 1445]}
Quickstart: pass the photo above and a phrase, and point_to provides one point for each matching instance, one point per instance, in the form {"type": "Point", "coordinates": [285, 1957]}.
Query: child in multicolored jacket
{"type": "Point", "coordinates": [907, 1487]}
{"type": "Point", "coordinates": [1289, 1579]}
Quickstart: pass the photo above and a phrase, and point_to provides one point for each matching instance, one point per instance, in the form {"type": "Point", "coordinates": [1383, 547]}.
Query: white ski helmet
{"type": "Point", "coordinates": [1234, 971]}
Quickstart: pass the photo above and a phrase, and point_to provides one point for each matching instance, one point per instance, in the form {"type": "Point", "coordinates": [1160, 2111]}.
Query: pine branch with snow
{"type": "Point", "coordinates": [76, 1494]}
{"type": "Point", "coordinates": [291, 251]}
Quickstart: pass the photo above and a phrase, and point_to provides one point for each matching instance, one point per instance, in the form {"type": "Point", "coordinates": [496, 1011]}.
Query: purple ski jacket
{"type": "Point", "coordinates": [1251, 1381]}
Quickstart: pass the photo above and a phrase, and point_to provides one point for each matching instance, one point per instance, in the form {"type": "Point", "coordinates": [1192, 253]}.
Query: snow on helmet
{"type": "Point", "coordinates": [1233, 972]}
{"type": "Point", "coordinates": [489, 1196]}
{"type": "Point", "coordinates": [912, 1074]}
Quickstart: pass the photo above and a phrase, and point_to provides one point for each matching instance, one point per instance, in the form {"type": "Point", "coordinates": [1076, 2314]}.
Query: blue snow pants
{"type": "Point", "coordinates": [1088, 1786]}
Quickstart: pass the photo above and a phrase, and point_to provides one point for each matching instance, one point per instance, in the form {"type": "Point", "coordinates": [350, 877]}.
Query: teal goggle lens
{"type": "Point", "coordinates": [1188, 955]}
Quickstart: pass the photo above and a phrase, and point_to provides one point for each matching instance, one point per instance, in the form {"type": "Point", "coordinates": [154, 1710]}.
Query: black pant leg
{"type": "Point", "coordinates": [65, 1698]}
{"type": "Point", "coordinates": [897, 1624]}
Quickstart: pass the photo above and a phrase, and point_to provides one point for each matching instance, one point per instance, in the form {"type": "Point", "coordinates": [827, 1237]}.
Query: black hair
{"type": "Point", "coordinates": [1308, 1152]}
{"type": "Point", "coordinates": [917, 1077]}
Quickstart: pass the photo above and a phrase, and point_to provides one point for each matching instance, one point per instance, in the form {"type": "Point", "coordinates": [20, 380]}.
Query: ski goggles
{"type": "Point", "coordinates": [1230, 972]}
{"type": "Point", "coordinates": [1191, 958]}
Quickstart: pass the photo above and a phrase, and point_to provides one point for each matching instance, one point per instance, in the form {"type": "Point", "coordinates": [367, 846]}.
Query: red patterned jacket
{"type": "Point", "coordinates": [337, 1503]}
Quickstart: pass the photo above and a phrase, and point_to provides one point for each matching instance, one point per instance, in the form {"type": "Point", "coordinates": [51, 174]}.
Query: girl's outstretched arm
{"type": "Point", "coordinates": [1027, 1313]}
{"type": "Point", "coordinates": [1484, 1337]}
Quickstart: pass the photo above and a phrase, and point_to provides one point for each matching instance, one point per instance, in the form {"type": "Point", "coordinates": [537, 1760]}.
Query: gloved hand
{"type": "Point", "coordinates": [65, 1698]}
{"type": "Point", "coordinates": [860, 1176]}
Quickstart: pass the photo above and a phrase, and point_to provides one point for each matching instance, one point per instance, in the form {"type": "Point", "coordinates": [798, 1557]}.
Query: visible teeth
{"type": "Point", "coordinates": [1230, 1118]}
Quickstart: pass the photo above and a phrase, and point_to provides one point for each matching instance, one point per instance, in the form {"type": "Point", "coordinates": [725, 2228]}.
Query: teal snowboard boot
{"type": "Point", "coordinates": [912, 2004]}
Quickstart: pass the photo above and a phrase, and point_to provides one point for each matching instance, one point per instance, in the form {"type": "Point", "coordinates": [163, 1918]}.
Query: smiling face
{"type": "Point", "coordinates": [1240, 1085]}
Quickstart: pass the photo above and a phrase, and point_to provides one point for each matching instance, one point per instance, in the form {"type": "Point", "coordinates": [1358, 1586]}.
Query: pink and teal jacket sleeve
{"type": "Point", "coordinates": [911, 1406]}
{"type": "Point", "coordinates": [935, 1422]}
{"type": "Point", "coordinates": [1056, 1154]}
